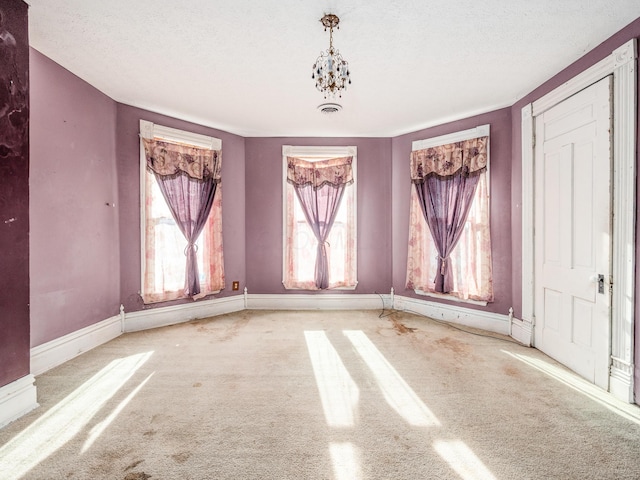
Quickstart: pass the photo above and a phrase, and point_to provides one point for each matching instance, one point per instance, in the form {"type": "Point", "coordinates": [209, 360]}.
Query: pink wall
{"type": "Point", "coordinates": [75, 261]}
{"type": "Point", "coordinates": [594, 56]}
{"type": "Point", "coordinates": [233, 202]}
{"type": "Point", "coordinates": [14, 196]}
{"type": "Point", "coordinates": [264, 212]}
{"type": "Point", "coordinates": [500, 171]}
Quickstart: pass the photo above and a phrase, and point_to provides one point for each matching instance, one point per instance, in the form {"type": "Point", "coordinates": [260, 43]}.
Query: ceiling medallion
{"type": "Point", "coordinates": [331, 71]}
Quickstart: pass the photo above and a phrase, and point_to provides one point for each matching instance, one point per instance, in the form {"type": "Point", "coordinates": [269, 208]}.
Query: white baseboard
{"type": "Point", "coordinates": [492, 322]}
{"type": "Point", "coordinates": [522, 331]}
{"type": "Point", "coordinates": [51, 354]}
{"type": "Point", "coordinates": [334, 301]}
{"type": "Point", "coordinates": [621, 380]}
{"type": "Point", "coordinates": [163, 316]}
{"type": "Point", "coordinates": [17, 399]}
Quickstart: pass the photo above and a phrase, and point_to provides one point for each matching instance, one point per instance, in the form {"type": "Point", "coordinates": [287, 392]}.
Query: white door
{"type": "Point", "coordinates": [573, 232]}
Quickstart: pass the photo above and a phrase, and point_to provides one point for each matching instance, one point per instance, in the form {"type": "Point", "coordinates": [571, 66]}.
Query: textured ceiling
{"type": "Point", "coordinates": [245, 66]}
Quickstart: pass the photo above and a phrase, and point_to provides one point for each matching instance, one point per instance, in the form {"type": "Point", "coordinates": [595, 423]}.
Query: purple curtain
{"type": "Point", "coordinates": [319, 187]}
{"type": "Point", "coordinates": [188, 178]}
{"type": "Point", "coordinates": [190, 202]}
{"type": "Point", "coordinates": [445, 203]}
{"type": "Point", "coordinates": [320, 207]}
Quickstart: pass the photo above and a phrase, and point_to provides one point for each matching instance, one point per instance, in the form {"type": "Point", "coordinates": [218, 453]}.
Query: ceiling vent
{"type": "Point", "coordinates": [329, 108]}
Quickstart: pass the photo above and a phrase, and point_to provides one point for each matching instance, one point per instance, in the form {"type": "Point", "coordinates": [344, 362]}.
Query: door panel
{"type": "Point", "coordinates": [573, 232]}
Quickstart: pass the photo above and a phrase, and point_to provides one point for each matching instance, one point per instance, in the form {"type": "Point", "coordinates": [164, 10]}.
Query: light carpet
{"type": "Point", "coordinates": [343, 395]}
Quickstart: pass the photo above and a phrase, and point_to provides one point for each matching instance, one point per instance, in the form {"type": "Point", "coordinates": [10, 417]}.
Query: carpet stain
{"type": "Point", "coordinates": [110, 455]}
{"type": "Point", "coordinates": [197, 384]}
{"type": "Point", "coordinates": [133, 465]}
{"type": "Point", "coordinates": [160, 418]}
{"type": "Point", "coordinates": [137, 476]}
{"type": "Point", "coordinates": [235, 327]}
{"type": "Point", "coordinates": [456, 346]}
{"type": "Point", "coordinates": [511, 371]}
{"type": "Point", "coordinates": [149, 433]}
{"type": "Point", "coordinates": [181, 457]}
{"type": "Point", "coordinates": [401, 328]}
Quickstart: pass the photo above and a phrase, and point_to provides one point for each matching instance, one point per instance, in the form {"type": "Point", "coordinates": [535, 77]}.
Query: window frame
{"type": "Point", "coordinates": [460, 136]}
{"type": "Point", "coordinates": [150, 130]}
{"type": "Point", "coordinates": [319, 153]}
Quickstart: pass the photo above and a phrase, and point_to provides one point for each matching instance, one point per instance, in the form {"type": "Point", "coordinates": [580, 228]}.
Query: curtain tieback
{"type": "Point", "coordinates": [189, 246]}
{"type": "Point", "coordinates": [443, 268]}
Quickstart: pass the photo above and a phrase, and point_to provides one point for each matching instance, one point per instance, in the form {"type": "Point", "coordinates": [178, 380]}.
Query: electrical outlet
{"type": "Point", "coordinates": [235, 285]}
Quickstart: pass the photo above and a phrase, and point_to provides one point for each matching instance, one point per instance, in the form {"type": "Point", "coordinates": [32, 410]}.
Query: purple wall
{"type": "Point", "coordinates": [74, 233]}
{"type": "Point", "coordinates": [264, 212]}
{"type": "Point", "coordinates": [14, 192]}
{"type": "Point", "coordinates": [85, 154]}
{"type": "Point", "coordinates": [500, 171]}
{"type": "Point", "coordinates": [594, 56]}
{"type": "Point", "coordinates": [233, 202]}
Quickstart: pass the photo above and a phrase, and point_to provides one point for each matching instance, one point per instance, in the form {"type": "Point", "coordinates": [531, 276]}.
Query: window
{"type": "Point", "coordinates": [336, 198]}
{"type": "Point", "coordinates": [184, 168]}
{"type": "Point", "coordinates": [450, 196]}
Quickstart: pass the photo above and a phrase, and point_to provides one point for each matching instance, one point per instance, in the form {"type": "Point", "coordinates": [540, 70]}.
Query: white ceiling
{"type": "Point", "coordinates": [244, 66]}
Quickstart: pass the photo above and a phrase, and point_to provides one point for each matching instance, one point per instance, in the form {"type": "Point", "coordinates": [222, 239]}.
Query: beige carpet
{"type": "Point", "coordinates": [320, 395]}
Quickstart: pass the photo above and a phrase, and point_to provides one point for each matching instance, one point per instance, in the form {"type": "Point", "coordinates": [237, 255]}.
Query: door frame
{"type": "Point", "coordinates": [621, 63]}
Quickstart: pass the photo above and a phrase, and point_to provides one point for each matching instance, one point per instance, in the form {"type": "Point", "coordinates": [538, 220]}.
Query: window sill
{"type": "Point", "coordinates": [349, 287]}
{"type": "Point", "coordinates": [153, 299]}
{"type": "Point", "coordinates": [452, 298]}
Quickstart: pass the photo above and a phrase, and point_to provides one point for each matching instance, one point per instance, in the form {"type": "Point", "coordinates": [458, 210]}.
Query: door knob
{"type": "Point", "coordinates": [599, 279]}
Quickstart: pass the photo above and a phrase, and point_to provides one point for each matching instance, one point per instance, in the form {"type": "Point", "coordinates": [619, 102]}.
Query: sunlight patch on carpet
{"type": "Point", "coordinates": [572, 380]}
{"type": "Point", "coordinates": [462, 460]}
{"type": "Point", "coordinates": [66, 419]}
{"type": "Point", "coordinates": [346, 464]}
{"type": "Point", "coordinates": [338, 392]}
{"type": "Point", "coordinates": [398, 394]}
{"type": "Point", "coordinates": [97, 430]}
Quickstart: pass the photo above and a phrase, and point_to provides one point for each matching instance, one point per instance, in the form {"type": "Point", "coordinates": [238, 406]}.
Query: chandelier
{"type": "Point", "coordinates": [331, 71]}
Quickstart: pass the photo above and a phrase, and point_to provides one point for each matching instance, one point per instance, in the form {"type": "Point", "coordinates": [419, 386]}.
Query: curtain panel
{"type": "Point", "coordinates": [163, 275]}
{"type": "Point", "coordinates": [188, 178]}
{"type": "Point", "coordinates": [446, 179]}
{"type": "Point", "coordinates": [319, 187]}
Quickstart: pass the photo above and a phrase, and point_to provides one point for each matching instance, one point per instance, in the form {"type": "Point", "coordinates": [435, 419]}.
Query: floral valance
{"type": "Point", "coordinates": [335, 171]}
{"type": "Point", "coordinates": [168, 159]}
{"type": "Point", "coordinates": [470, 156]}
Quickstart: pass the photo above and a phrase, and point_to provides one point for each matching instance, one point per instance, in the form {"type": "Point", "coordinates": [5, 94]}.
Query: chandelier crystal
{"type": "Point", "coordinates": [331, 71]}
